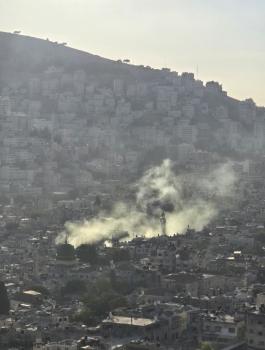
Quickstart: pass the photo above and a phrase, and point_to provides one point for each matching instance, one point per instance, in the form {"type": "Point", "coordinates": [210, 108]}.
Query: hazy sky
{"type": "Point", "coordinates": [224, 38]}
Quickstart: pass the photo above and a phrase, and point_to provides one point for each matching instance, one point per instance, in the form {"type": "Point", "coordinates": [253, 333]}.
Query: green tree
{"type": "Point", "coordinates": [260, 237]}
{"type": "Point", "coordinates": [184, 254]}
{"type": "Point", "coordinates": [74, 287]}
{"type": "Point", "coordinates": [12, 226]}
{"type": "Point", "coordinates": [4, 301]}
{"type": "Point", "coordinates": [118, 254]}
{"type": "Point", "coordinates": [65, 252]}
{"type": "Point", "coordinates": [100, 300]}
{"type": "Point", "coordinates": [100, 305]}
{"type": "Point", "coordinates": [87, 253]}
{"type": "Point", "coordinates": [86, 317]}
{"type": "Point", "coordinates": [206, 346]}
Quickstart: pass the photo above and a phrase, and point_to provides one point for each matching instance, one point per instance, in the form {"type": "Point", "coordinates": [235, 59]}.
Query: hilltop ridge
{"type": "Point", "coordinates": [29, 53]}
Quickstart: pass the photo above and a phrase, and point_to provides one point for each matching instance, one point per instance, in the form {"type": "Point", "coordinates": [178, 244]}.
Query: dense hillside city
{"type": "Point", "coordinates": [132, 205]}
{"type": "Point", "coordinates": [70, 120]}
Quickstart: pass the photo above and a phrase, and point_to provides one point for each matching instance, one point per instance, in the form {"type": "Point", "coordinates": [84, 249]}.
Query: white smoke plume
{"type": "Point", "coordinates": [186, 199]}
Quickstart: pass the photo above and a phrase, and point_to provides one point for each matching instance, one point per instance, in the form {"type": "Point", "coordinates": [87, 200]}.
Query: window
{"type": "Point", "coordinates": [260, 333]}
{"type": "Point", "coordinates": [251, 341]}
{"type": "Point", "coordinates": [231, 330]}
{"type": "Point", "coordinates": [251, 331]}
{"type": "Point", "coordinates": [217, 329]}
{"type": "Point", "coordinates": [261, 343]}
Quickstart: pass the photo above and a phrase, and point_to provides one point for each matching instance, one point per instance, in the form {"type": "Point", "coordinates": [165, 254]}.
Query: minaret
{"type": "Point", "coordinates": [163, 222]}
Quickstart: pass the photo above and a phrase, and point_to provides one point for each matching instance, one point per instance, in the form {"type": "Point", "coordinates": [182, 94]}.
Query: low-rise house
{"type": "Point", "coordinates": [220, 328]}
{"type": "Point", "coordinates": [255, 328]}
{"type": "Point", "coordinates": [134, 327]}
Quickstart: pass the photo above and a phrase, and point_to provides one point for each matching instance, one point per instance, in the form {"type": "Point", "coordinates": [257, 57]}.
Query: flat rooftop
{"type": "Point", "coordinates": [31, 292]}
{"type": "Point", "coordinates": [131, 321]}
{"type": "Point", "coordinates": [220, 318]}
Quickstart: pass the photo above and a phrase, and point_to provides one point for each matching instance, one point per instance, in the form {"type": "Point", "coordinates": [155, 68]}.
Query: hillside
{"type": "Point", "coordinates": [72, 120]}
{"type": "Point", "coordinates": [23, 54]}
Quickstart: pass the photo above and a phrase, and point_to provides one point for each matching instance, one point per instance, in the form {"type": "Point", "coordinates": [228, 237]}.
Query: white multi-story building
{"type": "Point", "coordinates": [63, 345]}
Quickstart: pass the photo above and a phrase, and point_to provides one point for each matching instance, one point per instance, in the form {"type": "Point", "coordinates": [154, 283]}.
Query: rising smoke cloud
{"type": "Point", "coordinates": [186, 199]}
